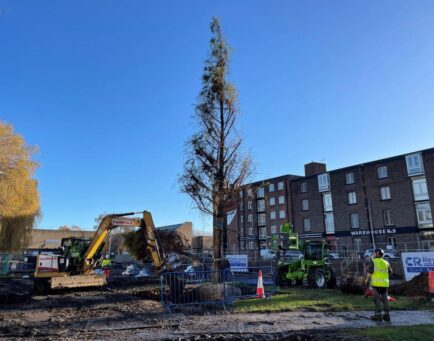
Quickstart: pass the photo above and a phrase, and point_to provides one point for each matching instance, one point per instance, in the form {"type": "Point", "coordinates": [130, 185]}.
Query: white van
{"type": "Point", "coordinates": [268, 254]}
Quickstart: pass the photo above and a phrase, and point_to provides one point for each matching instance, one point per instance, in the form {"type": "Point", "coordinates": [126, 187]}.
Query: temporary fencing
{"type": "Point", "coordinates": [211, 287]}
{"type": "Point", "coordinates": [180, 289]}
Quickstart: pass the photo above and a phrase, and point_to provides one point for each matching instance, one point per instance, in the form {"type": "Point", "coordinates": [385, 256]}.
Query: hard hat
{"type": "Point", "coordinates": [107, 256]}
{"type": "Point", "coordinates": [380, 251]}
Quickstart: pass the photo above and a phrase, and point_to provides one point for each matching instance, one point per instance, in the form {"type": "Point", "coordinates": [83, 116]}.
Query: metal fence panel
{"type": "Point", "coordinates": [195, 288]}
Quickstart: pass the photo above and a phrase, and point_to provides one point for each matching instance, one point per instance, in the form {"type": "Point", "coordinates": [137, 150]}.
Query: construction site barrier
{"type": "Point", "coordinates": [195, 288]}
{"type": "Point", "coordinates": [245, 282]}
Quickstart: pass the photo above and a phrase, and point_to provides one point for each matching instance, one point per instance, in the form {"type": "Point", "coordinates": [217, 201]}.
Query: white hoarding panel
{"type": "Point", "coordinates": [416, 262]}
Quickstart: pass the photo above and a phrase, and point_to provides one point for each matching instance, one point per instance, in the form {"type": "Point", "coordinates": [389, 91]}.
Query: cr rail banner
{"type": "Point", "coordinates": [238, 263]}
{"type": "Point", "coordinates": [415, 263]}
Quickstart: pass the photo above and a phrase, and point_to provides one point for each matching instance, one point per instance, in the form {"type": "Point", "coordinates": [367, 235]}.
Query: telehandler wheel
{"type": "Point", "coordinates": [280, 277]}
{"type": "Point", "coordinates": [316, 279]}
{"type": "Point", "coordinates": [331, 283]}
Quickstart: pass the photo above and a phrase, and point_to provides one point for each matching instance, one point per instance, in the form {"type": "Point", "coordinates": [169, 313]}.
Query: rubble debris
{"type": "Point", "coordinates": [352, 284]}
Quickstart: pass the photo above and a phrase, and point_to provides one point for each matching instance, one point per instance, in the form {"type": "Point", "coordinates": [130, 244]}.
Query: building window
{"type": "Point", "coordinates": [349, 178]}
{"type": "Point", "coordinates": [241, 194]}
{"type": "Point", "coordinates": [329, 223]}
{"type": "Point", "coordinates": [249, 192]}
{"type": "Point", "coordinates": [420, 190]}
{"type": "Point", "coordinates": [382, 172]}
{"type": "Point", "coordinates": [327, 202]}
{"type": "Point", "coordinates": [263, 232]}
{"type": "Point", "coordinates": [357, 243]}
{"type": "Point", "coordinates": [323, 182]}
{"type": "Point", "coordinates": [303, 187]}
{"type": "Point", "coordinates": [261, 219]}
{"type": "Point", "coordinates": [273, 229]}
{"type": "Point", "coordinates": [282, 214]}
{"type": "Point", "coordinates": [281, 199]}
{"type": "Point", "coordinates": [241, 232]}
{"type": "Point", "coordinates": [242, 219]}
{"type": "Point", "coordinates": [304, 204]}
{"type": "Point", "coordinates": [261, 205]}
{"type": "Point", "coordinates": [352, 198]}
{"type": "Point", "coordinates": [414, 164]}
{"type": "Point", "coordinates": [354, 217]}
{"type": "Point", "coordinates": [250, 231]}
{"type": "Point", "coordinates": [260, 192]}
{"type": "Point", "coordinates": [391, 241]}
{"type": "Point", "coordinates": [306, 225]}
{"type": "Point", "coordinates": [241, 207]}
{"type": "Point", "coordinates": [242, 246]}
{"type": "Point", "coordinates": [273, 215]}
{"type": "Point", "coordinates": [251, 245]}
{"type": "Point", "coordinates": [271, 188]}
{"type": "Point", "coordinates": [249, 205]}
{"type": "Point", "coordinates": [280, 185]}
{"type": "Point", "coordinates": [385, 193]}
{"type": "Point", "coordinates": [249, 218]}
{"type": "Point", "coordinates": [424, 217]}
{"type": "Point", "coordinates": [388, 218]}
{"type": "Point", "coordinates": [272, 201]}
{"type": "Point", "coordinates": [230, 216]}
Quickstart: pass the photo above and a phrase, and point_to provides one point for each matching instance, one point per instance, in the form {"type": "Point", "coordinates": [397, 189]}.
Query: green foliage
{"type": "Point", "coordinates": [19, 197]}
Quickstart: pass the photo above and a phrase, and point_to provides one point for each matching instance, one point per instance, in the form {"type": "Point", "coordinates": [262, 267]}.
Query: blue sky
{"type": "Point", "coordinates": [106, 89]}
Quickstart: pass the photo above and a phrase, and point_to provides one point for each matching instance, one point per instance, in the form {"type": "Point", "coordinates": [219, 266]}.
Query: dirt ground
{"type": "Point", "coordinates": [128, 314]}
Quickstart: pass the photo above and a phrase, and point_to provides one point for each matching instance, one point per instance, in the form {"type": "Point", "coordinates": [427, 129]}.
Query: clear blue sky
{"type": "Point", "coordinates": [106, 90]}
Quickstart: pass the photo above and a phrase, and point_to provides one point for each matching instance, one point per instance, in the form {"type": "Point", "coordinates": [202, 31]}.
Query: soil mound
{"type": "Point", "coordinates": [418, 286]}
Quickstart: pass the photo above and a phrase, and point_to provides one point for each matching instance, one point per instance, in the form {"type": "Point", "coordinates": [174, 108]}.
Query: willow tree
{"type": "Point", "coordinates": [215, 168]}
{"type": "Point", "coordinates": [19, 197]}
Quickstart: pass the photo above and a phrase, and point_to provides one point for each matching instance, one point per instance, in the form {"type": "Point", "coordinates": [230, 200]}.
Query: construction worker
{"type": "Point", "coordinates": [106, 266]}
{"type": "Point", "coordinates": [378, 271]}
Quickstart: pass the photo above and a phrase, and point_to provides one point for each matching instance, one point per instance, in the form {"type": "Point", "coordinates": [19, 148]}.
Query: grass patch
{"type": "Point", "coordinates": [300, 299]}
{"type": "Point", "coordinates": [403, 333]}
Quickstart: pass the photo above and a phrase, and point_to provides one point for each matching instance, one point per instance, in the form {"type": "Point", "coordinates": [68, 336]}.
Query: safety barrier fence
{"type": "Point", "coordinates": [180, 289]}
{"type": "Point", "coordinates": [192, 288]}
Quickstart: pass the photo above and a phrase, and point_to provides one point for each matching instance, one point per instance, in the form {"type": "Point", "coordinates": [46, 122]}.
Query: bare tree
{"type": "Point", "coordinates": [19, 197]}
{"type": "Point", "coordinates": [215, 169]}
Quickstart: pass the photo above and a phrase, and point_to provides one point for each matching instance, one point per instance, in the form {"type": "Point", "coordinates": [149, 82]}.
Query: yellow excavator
{"type": "Point", "coordinates": [75, 266]}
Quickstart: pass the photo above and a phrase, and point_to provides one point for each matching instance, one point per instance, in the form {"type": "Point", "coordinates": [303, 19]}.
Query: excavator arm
{"type": "Point", "coordinates": [112, 221]}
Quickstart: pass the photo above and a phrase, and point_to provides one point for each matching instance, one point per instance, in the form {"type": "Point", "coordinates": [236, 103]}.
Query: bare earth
{"type": "Point", "coordinates": [124, 314]}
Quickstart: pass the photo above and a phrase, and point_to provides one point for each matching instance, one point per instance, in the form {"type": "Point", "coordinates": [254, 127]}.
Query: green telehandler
{"type": "Point", "coordinates": [314, 266]}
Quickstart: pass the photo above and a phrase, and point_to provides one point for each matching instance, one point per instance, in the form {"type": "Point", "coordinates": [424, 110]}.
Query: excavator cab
{"type": "Point", "coordinates": [74, 250]}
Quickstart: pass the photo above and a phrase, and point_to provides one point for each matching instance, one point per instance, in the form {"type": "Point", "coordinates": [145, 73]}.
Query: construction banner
{"type": "Point", "coordinates": [416, 262]}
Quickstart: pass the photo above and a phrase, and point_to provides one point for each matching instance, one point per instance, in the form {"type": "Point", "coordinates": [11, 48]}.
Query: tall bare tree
{"type": "Point", "coordinates": [19, 197]}
{"type": "Point", "coordinates": [215, 169]}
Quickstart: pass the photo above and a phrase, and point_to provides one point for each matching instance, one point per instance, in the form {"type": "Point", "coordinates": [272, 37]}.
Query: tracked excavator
{"type": "Point", "coordinates": [74, 266]}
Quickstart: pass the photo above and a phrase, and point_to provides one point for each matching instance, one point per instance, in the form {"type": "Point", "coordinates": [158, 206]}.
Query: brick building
{"type": "Point", "coordinates": [386, 203]}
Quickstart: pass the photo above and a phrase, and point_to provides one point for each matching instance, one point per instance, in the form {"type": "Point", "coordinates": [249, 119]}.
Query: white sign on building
{"type": "Point", "coordinates": [415, 263]}
{"type": "Point", "coordinates": [238, 263]}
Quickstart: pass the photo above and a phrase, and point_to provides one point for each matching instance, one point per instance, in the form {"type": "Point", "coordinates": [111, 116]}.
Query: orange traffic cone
{"type": "Point", "coordinates": [260, 288]}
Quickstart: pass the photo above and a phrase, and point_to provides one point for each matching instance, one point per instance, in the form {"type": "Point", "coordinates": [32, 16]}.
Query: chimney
{"type": "Point", "coordinates": [314, 168]}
